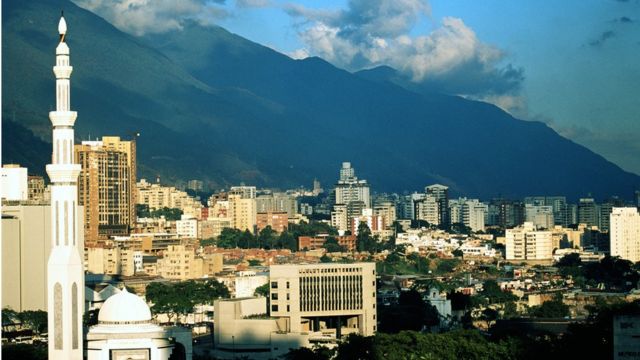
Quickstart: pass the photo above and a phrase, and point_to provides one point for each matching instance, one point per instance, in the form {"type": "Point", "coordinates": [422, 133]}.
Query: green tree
{"type": "Point", "coordinates": [36, 320]}
{"type": "Point", "coordinates": [364, 241]}
{"type": "Point", "coordinates": [286, 240]}
{"type": "Point", "coordinates": [262, 290]}
{"type": "Point", "coordinates": [492, 292]}
{"type": "Point", "coordinates": [229, 238]}
{"type": "Point", "coordinates": [171, 214]}
{"type": "Point", "coordinates": [208, 242]}
{"type": "Point", "coordinates": [457, 253]}
{"type": "Point", "coordinates": [267, 238]}
{"type": "Point", "coordinates": [325, 259]}
{"type": "Point", "coordinates": [331, 244]}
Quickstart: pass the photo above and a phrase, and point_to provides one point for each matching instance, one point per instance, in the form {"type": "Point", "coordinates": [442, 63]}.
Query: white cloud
{"type": "Point", "coordinates": [140, 17]}
{"type": "Point", "coordinates": [371, 33]}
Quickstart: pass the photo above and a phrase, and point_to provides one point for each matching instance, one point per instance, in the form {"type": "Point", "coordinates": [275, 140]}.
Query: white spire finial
{"type": "Point", "coordinates": [62, 26]}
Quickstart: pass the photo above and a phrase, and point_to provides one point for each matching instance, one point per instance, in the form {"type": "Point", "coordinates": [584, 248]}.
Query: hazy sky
{"type": "Point", "coordinates": [574, 64]}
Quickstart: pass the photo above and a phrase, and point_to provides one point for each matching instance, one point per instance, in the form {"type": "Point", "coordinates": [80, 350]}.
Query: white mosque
{"type": "Point", "coordinates": [124, 330]}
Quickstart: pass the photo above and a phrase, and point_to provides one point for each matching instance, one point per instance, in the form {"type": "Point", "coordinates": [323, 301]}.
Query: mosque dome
{"type": "Point", "coordinates": [124, 308]}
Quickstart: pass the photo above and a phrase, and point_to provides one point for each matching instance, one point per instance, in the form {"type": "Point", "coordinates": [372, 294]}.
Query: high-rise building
{"type": "Point", "coordinates": [473, 214]}
{"type": "Point", "coordinates": [350, 189]}
{"type": "Point", "coordinates": [625, 233]}
{"type": "Point", "coordinates": [525, 243]}
{"type": "Point", "coordinates": [317, 188]}
{"type": "Point", "coordinates": [469, 212]}
{"type": "Point", "coordinates": [106, 186]}
{"type": "Point", "coordinates": [605, 211]}
{"type": "Point", "coordinates": [13, 182]}
{"type": "Point", "coordinates": [441, 195]}
{"type": "Point", "coordinates": [540, 215]}
{"type": "Point", "coordinates": [242, 207]}
{"type": "Point", "coordinates": [588, 212]}
{"type": "Point", "coordinates": [428, 209]}
{"type": "Point", "coordinates": [65, 273]}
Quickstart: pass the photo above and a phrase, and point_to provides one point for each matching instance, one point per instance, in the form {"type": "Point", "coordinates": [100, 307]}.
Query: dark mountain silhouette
{"type": "Point", "coordinates": [214, 106]}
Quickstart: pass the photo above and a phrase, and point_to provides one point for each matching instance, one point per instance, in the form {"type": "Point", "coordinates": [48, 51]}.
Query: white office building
{"type": "Point", "coordinates": [625, 233]}
{"type": "Point", "coordinates": [13, 183]}
{"type": "Point", "coordinates": [525, 243]}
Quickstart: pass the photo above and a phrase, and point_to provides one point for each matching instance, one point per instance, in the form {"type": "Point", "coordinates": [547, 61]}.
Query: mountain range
{"type": "Point", "coordinates": [214, 106]}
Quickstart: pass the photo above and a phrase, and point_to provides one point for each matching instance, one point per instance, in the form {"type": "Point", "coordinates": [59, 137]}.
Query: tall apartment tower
{"type": "Point", "coordinates": [441, 195]}
{"type": "Point", "coordinates": [625, 233]}
{"type": "Point", "coordinates": [65, 275]}
{"type": "Point", "coordinates": [106, 186]}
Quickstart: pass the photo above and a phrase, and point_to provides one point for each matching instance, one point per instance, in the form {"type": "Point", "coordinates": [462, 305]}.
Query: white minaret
{"type": "Point", "coordinates": [65, 274]}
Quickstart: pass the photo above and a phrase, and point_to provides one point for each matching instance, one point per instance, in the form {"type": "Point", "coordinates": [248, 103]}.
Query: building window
{"type": "Point", "coordinates": [287, 284]}
{"type": "Point", "coordinates": [287, 296]}
{"type": "Point", "coordinates": [288, 309]}
{"type": "Point", "coordinates": [274, 308]}
{"type": "Point", "coordinates": [274, 284]}
{"type": "Point", "coordinates": [274, 296]}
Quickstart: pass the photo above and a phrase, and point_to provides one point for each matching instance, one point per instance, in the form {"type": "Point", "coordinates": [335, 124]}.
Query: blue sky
{"type": "Point", "coordinates": [573, 64]}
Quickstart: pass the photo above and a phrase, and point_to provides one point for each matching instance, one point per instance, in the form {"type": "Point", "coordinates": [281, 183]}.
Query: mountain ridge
{"type": "Point", "coordinates": [215, 106]}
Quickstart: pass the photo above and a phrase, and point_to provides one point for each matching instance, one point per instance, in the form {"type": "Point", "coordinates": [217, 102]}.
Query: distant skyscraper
{"type": "Point", "coordinates": [349, 188]}
{"type": "Point", "coordinates": [588, 212]}
{"type": "Point", "coordinates": [605, 211]}
{"type": "Point", "coordinates": [625, 233]}
{"type": "Point", "coordinates": [347, 172]}
{"type": "Point", "coordinates": [106, 186]}
{"type": "Point", "coordinates": [65, 271]}
{"type": "Point", "coordinates": [317, 188]}
{"type": "Point", "coordinates": [441, 195]}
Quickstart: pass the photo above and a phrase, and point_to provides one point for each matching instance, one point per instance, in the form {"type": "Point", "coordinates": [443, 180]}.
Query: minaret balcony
{"type": "Point", "coordinates": [63, 72]}
{"type": "Point", "coordinates": [63, 118]}
{"type": "Point", "coordinates": [63, 173]}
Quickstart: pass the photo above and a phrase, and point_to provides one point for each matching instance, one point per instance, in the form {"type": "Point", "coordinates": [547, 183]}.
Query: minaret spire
{"type": "Point", "coordinates": [65, 274]}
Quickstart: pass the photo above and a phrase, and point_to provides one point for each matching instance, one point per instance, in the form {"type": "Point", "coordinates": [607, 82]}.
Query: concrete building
{"type": "Point", "coordinates": [350, 189]}
{"type": "Point", "coordinates": [278, 220]}
{"type": "Point", "coordinates": [36, 188]}
{"type": "Point", "coordinates": [588, 212]}
{"type": "Point", "coordinates": [339, 218]}
{"type": "Point", "coordinates": [156, 196]}
{"type": "Point", "coordinates": [240, 332]}
{"type": "Point", "coordinates": [336, 299]}
{"type": "Point", "coordinates": [385, 210]}
{"type": "Point", "coordinates": [13, 182]}
{"type": "Point", "coordinates": [606, 208]}
{"type": "Point", "coordinates": [525, 243]}
{"type": "Point", "coordinates": [106, 186]}
{"type": "Point", "coordinates": [26, 245]}
{"type": "Point", "coordinates": [212, 227]}
{"type": "Point", "coordinates": [187, 227]}
{"type": "Point", "coordinates": [242, 208]}
{"type": "Point", "coordinates": [177, 263]}
{"type": "Point", "coordinates": [625, 233]}
{"type": "Point", "coordinates": [626, 337]}
{"type": "Point", "coordinates": [317, 242]}
{"type": "Point", "coordinates": [65, 275]}
{"type": "Point", "coordinates": [428, 209]}
{"type": "Point", "coordinates": [540, 215]}
{"type": "Point", "coordinates": [470, 212]}
{"type": "Point", "coordinates": [112, 260]}
{"type": "Point", "coordinates": [441, 195]}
